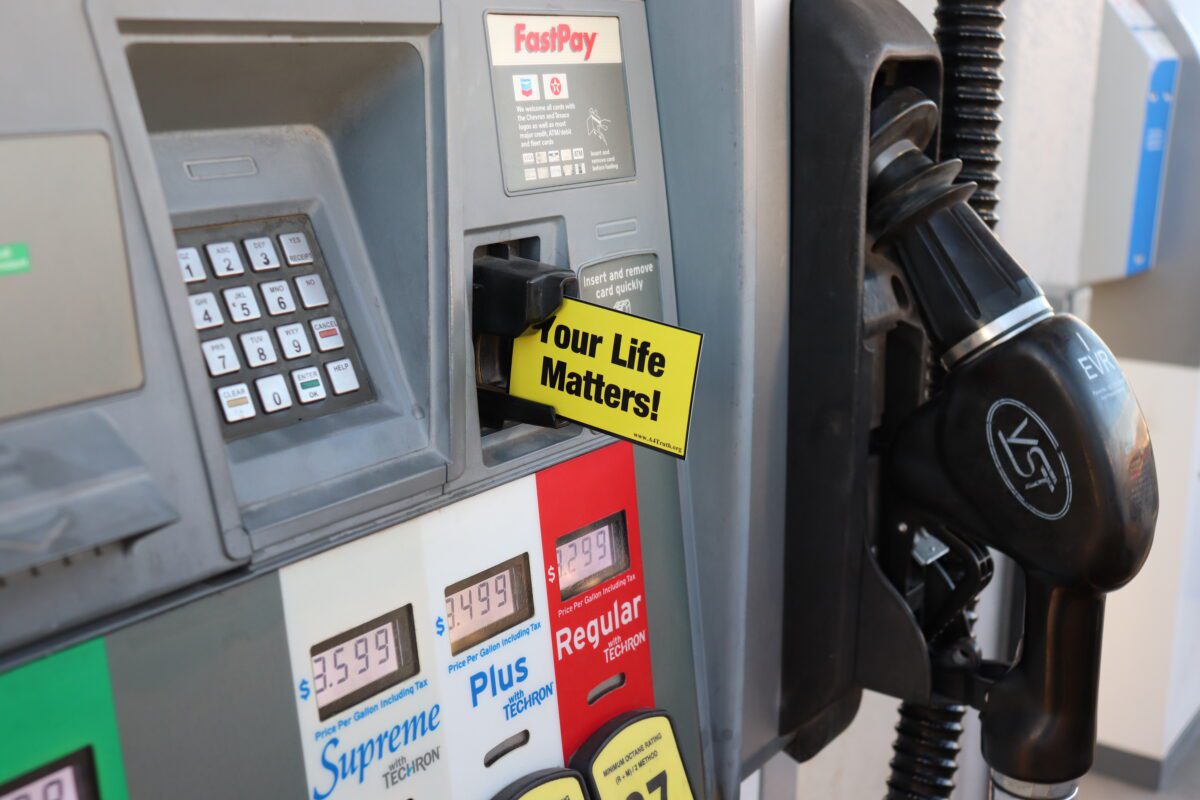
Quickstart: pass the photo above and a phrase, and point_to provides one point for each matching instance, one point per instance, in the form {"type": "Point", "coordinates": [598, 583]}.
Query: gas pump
{"type": "Point", "coordinates": [275, 522]}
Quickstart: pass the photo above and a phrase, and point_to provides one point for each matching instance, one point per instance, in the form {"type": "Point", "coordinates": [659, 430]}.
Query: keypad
{"type": "Point", "coordinates": [276, 344]}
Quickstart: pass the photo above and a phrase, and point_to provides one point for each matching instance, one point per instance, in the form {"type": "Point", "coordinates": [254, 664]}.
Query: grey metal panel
{"type": "Point", "coordinates": [664, 551]}
{"type": "Point", "coordinates": [71, 486]}
{"type": "Point", "coordinates": [200, 702]}
{"type": "Point", "coordinates": [726, 169]}
{"type": "Point", "coordinates": [51, 40]}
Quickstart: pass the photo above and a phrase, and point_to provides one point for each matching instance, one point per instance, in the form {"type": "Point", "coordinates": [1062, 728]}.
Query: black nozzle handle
{"type": "Point", "coordinates": [1039, 721]}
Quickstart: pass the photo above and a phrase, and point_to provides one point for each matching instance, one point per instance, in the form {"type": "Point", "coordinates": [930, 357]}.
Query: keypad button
{"type": "Point", "coordinates": [235, 402]}
{"type": "Point", "coordinates": [258, 348]}
{"type": "Point", "coordinates": [308, 383]}
{"type": "Point", "coordinates": [225, 258]}
{"type": "Point", "coordinates": [342, 376]}
{"type": "Point", "coordinates": [312, 291]}
{"type": "Point", "coordinates": [296, 249]}
{"type": "Point", "coordinates": [293, 341]}
{"type": "Point", "coordinates": [262, 254]}
{"type": "Point", "coordinates": [190, 264]}
{"type": "Point", "coordinates": [242, 304]}
{"type": "Point", "coordinates": [278, 297]}
{"type": "Point", "coordinates": [221, 357]}
{"type": "Point", "coordinates": [329, 335]}
{"type": "Point", "coordinates": [205, 311]}
{"type": "Point", "coordinates": [273, 393]}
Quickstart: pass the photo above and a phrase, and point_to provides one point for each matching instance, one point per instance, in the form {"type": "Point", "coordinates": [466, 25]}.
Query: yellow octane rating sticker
{"type": "Point", "coordinates": [611, 371]}
{"type": "Point", "coordinates": [558, 789]}
{"type": "Point", "coordinates": [641, 761]}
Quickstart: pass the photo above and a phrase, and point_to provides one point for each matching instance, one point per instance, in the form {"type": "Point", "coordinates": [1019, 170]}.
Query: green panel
{"type": "Point", "coordinates": [57, 705]}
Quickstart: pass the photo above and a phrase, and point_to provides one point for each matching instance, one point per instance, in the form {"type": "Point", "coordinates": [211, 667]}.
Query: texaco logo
{"type": "Point", "coordinates": [1029, 459]}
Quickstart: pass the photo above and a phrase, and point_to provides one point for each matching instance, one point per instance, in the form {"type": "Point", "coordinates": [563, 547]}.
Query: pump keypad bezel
{"type": "Point", "coordinates": [310, 301]}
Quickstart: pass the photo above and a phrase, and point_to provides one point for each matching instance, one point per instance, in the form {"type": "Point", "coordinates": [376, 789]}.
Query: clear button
{"type": "Point", "coordinates": [235, 402]}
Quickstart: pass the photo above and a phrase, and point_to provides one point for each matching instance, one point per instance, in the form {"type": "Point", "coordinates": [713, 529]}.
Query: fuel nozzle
{"type": "Point", "coordinates": [972, 293]}
{"type": "Point", "coordinates": [1033, 445]}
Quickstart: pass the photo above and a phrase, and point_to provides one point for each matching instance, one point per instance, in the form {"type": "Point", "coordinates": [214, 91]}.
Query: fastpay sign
{"type": "Point", "coordinates": [621, 374]}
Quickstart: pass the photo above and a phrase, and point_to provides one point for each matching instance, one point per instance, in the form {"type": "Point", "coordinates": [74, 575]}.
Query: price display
{"type": "Point", "coordinates": [70, 778]}
{"type": "Point", "coordinates": [591, 555]}
{"type": "Point", "coordinates": [488, 602]}
{"type": "Point", "coordinates": [363, 661]}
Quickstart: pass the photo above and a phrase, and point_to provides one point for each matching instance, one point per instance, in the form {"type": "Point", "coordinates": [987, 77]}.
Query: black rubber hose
{"type": "Point", "coordinates": [968, 33]}
{"type": "Point", "coordinates": [926, 752]}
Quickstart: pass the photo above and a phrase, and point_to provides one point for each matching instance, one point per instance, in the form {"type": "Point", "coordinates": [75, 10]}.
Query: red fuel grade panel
{"type": "Point", "coordinates": [595, 592]}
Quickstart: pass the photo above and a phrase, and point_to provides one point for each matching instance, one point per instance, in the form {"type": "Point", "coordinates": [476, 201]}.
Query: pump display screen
{"type": "Point", "coordinates": [591, 555]}
{"type": "Point", "coordinates": [488, 602]}
{"type": "Point", "coordinates": [69, 778]}
{"type": "Point", "coordinates": [363, 661]}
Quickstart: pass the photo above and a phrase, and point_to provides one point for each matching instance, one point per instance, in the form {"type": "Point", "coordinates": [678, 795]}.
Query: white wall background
{"type": "Point", "coordinates": [1150, 673]}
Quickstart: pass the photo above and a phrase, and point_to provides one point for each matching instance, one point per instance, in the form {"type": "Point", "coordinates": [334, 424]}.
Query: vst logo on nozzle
{"type": "Point", "coordinates": [556, 40]}
{"type": "Point", "coordinates": [1029, 459]}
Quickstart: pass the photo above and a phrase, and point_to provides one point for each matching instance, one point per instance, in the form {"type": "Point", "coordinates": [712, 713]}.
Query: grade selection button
{"type": "Point", "coordinates": [296, 249]}
{"type": "Point", "coordinates": [293, 340]}
{"type": "Point", "coordinates": [258, 348]}
{"type": "Point", "coordinates": [220, 356]}
{"type": "Point", "coordinates": [312, 291]}
{"type": "Point", "coordinates": [205, 311]}
{"type": "Point", "coordinates": [309, 387]}
{"type": "Point", "coordinates": [190, 264]}
{"type": "Point", "coordinates": [549, 784]}
{"type": "Point", "coordinates": [225, 258]}
{"type": "Point", "coordinates": [235, 402]}
{"type": "Point", "coordinates": [262, 254]}
{"type": "Point", "coordinates": [273, 393]}
{"type": "Point", "coordinates": [634, 755]}
{"type": "Point", "coordinates": [242, 304]}
{"type": "Point", "coordinates": [342, 376]}
{"type": "Point", "coordinates": [329, 335]}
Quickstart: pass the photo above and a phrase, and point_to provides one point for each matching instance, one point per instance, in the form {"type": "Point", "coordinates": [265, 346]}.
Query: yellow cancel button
{"type": "Point", "coordinates": [635, 757]}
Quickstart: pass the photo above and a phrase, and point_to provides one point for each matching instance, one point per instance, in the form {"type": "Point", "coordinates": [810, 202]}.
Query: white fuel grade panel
{"type": "Point", "coordinates": [492, 637]}
{"type": "Point", "coordinates": [371, 720]}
